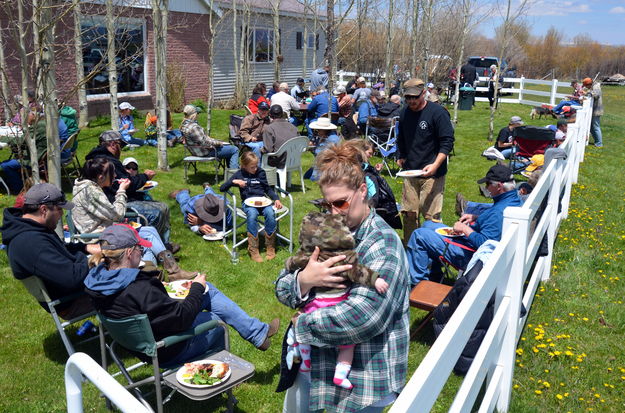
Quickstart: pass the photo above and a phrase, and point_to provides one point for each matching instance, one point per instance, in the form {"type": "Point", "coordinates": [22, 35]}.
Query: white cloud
{"type": "Point", "coordinates": [617, 10]}
{"type": "Point", "coordinates": [564, 8]}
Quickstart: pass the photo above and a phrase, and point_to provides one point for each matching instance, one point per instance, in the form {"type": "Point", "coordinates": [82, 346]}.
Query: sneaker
{"type": "Point", "coordinates": [274, 325]}
{"type": "Point", "coordinates": [598, 145]}
{"type": "Point", "coordinates": [206, 185]}
{"type": "Point", "coordinates": [173, 194]}
{"type": "Point", "coordinates": [461, 204]}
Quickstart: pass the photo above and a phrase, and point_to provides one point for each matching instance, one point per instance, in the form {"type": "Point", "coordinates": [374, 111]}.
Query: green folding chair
{"type": "Point", "coordinates": [135, 334]}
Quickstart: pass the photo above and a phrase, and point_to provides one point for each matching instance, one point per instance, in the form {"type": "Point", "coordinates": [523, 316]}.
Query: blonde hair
{"type": "Point", "coordinates": [248, 158]}
{"type": "Point", "coordinates": [341, 164]}
{"type": "Point", "coordinates": [110, 256]}
{"type": "Point", "coordinates": [362, 145]}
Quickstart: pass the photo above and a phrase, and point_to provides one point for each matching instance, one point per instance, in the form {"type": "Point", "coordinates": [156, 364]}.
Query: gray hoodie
{"type": "Point", "coordinates": [318, 77]}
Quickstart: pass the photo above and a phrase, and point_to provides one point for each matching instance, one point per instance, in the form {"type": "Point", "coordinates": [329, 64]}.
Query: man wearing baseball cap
{"type": "Point", "coordinates": [120, 289]}
{"type": "Point", "coordinates": [34, 248]}
{"type": "Point", "coordinates": [424, 140]}
{"type": "Point", "coordinates": [361, 94]}
{"type": "Point", "coordinates": [426, 245]}
{"type": "Point", "coordinates": [505, 138]}
{"type": "Point", "coordinates": [200, 144]}
{"type": "Point", "coordinates": [252, 128]}
{"type": "Point", "coordinates": [298, 92]}
{"type": "Point", "coordinates": [203, 213]}
{"type": "Point", "coordinates": [593, 89]}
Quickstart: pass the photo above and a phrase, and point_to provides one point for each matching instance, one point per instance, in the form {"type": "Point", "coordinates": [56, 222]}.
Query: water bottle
{"type": "Point", "coordinates": [87, 326]}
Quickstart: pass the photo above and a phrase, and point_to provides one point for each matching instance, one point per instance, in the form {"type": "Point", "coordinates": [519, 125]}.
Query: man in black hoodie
{"type": "Point", "coordinates": [157, 213]}
{"type": "Point", "coordinates": [35, 249]}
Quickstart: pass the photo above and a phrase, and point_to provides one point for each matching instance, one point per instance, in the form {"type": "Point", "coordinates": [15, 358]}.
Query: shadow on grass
{"type": "Point", "coordinates": [426, 335]}
{"type": "Point", "coordinates": [266, 377]}
{"type": "Point", "coordinates": [55, 350]}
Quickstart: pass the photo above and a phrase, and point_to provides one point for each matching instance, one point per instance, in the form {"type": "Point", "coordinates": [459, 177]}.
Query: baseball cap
{"type": "Point", "coordinates": [360, 79]}
{"type": "Point", "coordinates": [339, 89]}
{"type": "Point", "coordinates": [128, 160]}
{"type": "Point", "coordinates": [587, 81]}
{"type": "Point", "coordinates": [375, 93]}
{"type": "Point", "coordinates": [561, 122]}
{"type": "Point", "coordinates": [300, 80]}
{"type": "Point", "coordinates": [516, 120]}
{"type": "Point", "coordinates": [413, 87]}
{"type": "Point", "coordinates": [498, 173]}
{"type": "Point", "coordinates": [110, 135]}
{"type": "Point", "coordinates": [126, 105]}
{"type": "Point", "coordinates": [210, 208]}
{"type": "Point", "coordinates": [430, 85]}
{"type": "Point", "coordinates": [119, 236]}
{"type": "Point", "coordinates": [191, 109]}
{"type": "Point", "coordinates": [46, 193]}
{"type": "Point", "coordinates": [263, 106]}
{"type": "Point", "coordinates": [276, 111]}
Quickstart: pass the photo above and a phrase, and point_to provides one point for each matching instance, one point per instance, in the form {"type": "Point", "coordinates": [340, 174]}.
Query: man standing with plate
{"type": "Point", "coordinates": [425, 139]}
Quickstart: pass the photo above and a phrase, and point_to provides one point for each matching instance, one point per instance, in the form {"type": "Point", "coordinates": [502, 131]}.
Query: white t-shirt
{"type": "Point", "coordinates": [285, 100]}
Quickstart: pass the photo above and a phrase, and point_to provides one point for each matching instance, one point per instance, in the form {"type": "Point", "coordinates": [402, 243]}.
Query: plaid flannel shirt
{"type": "Point", "coordinates": [377, 324]}
{"type": "Point", "coordinates": [196, 139]}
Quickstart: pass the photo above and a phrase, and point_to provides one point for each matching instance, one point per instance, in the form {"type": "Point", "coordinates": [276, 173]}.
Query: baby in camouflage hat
{"type": "Point", "coordinates": [330, 233]}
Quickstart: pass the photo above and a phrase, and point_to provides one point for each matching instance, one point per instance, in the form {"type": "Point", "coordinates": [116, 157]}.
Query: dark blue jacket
{"type": "Point", "coordinates": [489, 224]}
{"type": "Point", "coordinates": [255, 185]}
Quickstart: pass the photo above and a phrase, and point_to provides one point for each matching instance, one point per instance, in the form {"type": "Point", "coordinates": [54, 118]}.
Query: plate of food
{"type": "Point", "coordinates": [149, 185]}
{"type": "Point", "coordinates": [134, 224]}
{"type": "Point", "coordinates": [179, 289]}
{"type": "Point", "coordinates": [448, 232]}
{"type": "Point", "coordinates": [258, 201]}
{"type": "Point", "coordinates": [214, 235]}
{"type": "Point", "coordinates": [413, 173]}
{"type": "Point", "coordinates": [203, 373]}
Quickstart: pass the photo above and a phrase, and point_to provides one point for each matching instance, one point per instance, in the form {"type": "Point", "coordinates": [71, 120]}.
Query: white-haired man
{"type": "Point", "coordinates": [286, 101]}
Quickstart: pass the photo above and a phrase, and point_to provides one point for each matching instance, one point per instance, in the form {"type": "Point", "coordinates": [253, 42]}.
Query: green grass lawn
{"type": "Point", "coordinates": [570, 359]}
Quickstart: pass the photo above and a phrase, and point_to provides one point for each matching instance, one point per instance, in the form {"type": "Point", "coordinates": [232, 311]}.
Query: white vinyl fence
{"type": "Point", "coordinates": [512, 264]}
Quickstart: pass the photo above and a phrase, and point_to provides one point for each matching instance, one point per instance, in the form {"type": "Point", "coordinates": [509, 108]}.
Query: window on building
{"type": "Point", "coordinates": [129, 58]}
{"type": "Point", "coordinates": [261, 45]}
{"type": "Point", "coordinates": [311, 40]}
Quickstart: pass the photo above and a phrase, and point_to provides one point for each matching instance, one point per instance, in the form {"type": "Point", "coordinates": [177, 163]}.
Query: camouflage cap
{"type": "Point", "coordinates": [327, 231]}
{"type": "Point", "coordinates": [413, 87]}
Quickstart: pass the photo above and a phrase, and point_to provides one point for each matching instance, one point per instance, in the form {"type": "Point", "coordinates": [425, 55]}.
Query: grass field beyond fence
{"type": "Point", "coordinates": [571, 357]}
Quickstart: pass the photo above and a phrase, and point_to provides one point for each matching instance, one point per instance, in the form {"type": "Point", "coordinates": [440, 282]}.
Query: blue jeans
{"type": "Point", "coordinates": [133, 141]}
{"type": "Point", "coordinates": [12, 172]}
{"type": "Point", "coordinates": [507, 152]}
{"type": "Point", "coordinates": [157, 215]}
{"type": "Point", "coordinates": [252, 219]}
{"type": "Point", "coordinates": [256, 147]}
{"type": "Point", "coordinates": [229, 152]}
{"type": "Point", "coordinates": [595, 130]}
{"type": "Point", "coordinates": [173, 134]}
{"type": "Point", "coordinates": [184, 198]}
{"type": "Point", "coordinates": [151, 234]}
{"type": "Point", "coordinates": [424, 248]}
{"type": "Point", "coordinates": [557, 109]}
{"type": "Point", "coordinates": [219, 307]}
{"type": "Point", "coordinates": [477, 208]}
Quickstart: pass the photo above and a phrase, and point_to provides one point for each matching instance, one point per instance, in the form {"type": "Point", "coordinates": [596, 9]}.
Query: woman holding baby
{"type": "Point", "coordinates": [377, 323]}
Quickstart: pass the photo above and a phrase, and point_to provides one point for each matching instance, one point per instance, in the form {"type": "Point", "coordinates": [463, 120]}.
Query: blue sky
{"type": "Point", "coordinates": [603, 20]}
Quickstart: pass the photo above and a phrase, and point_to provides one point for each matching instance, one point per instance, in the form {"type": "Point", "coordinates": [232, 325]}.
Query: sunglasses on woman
{"type": "Point", "coordinates": [340, 204]}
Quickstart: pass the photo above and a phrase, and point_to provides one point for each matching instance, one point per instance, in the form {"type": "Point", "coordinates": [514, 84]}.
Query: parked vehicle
{"type": "Point", "coordinates": [483, 64]}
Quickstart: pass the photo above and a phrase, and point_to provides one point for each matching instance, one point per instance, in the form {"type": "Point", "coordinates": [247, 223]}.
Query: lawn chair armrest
{"type": "Point", "coordinates": [190, 333]}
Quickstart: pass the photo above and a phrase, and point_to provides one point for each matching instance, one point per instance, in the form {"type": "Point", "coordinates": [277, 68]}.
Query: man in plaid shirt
{"type": "Point", "coordinates": [199, 144]}
{"type": "Point", "coordinates": [377, 324]}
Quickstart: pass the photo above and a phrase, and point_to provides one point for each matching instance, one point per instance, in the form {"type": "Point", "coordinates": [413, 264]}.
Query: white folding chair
{"type": "Point", "coordinates": [293, 148]}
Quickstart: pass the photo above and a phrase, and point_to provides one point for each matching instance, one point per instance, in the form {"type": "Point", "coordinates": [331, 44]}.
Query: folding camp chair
{"type": "Point", "coordinates": [195, 157]}
{"type": "Point", "coordinates": [383, 136]}
{"type": "Point", "coordinates": [529, 141]}
{"type": "Point", "coordinates": [135, 334]}
{"type": "Point", "coordinates": [427, 296]}
{"type": "Point", "coordinates": [74, 235]}
{"type": "Point", "coordinates": [445, 264]}
{"type": "Point", "coordinates": [71, 145]}
{"type": "Point", "coordinates": [37, 289]}
{"type": "Point", "coordinates": [235, 127]}
{"type": "Point", "coordinates": [230, 200]}
{"type": "Point", "coordinates": [293, 148]}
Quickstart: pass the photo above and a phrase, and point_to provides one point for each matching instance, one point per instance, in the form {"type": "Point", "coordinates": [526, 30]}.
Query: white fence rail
{"type": "Point", "coordinates": [79, 365]}
{"type": "Point", "coordinates": [504, 275]}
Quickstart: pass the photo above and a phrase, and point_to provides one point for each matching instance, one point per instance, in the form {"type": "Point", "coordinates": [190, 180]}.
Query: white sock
{"type": "Point", "coordinates": [340, 375]}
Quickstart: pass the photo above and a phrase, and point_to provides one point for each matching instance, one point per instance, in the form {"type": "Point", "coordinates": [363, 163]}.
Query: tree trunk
{"type": "Point", "coordinates": [83, 119]}
{"type": "Point", "coordinates": [427, 38]}
{"type": "Point", "coordinates": [463, 39]}
{"type": "Point", "coordinates": [305, 48]}
{"type": "Point", "coordinates": [111, 65]}
{"type": "Point", "coordinates": [159, 16]}
{"type": "Point", "coordinates": [414, 46]}
{"type": "Point", "coordinates": [48, 86]}
{"type": "Point", "coordinates": [211, 73]}
{"type": "Point", "coordinates": [328, 56]}
{"type": "Point", "coordinates": [389, 48]}
{"type": "Point", "coordinates": [276, 38]}
{"type": "Point", "coordinates": [30, 140]}
{"type": "Point", "coordinates": [493, 109]}
{"type": "Point", "coordinates": [315, 27]}
{"type": "Point", "coordinates": [244, 55]}
{"type": "Point", "coordinates": [6, 91]}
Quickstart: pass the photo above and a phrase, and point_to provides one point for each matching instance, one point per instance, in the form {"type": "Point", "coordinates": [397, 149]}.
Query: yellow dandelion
{"type": "Point", "coordinates": [559, 396]}
{"type": "Point", "coordinates": [538, 392]}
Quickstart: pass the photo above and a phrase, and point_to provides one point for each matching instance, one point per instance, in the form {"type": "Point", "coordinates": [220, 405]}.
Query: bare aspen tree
{"type": "Point", "coordinates": [46, 27]}
{"type": "Point", "coordinates": [307, 7]}
{"type": "Point", "coordinates": [159, 16]}
{"type": "Point", "coordinates": [21, 45]}
{"type": "Point", "coordinates": [361, 17]}
{"type": "Point", "coordinates": [389, 47]}
{"type": "Point", "coordinates": [235, 55]}
{"type": "Point", "coordinates": [111, 64]}
{"type": "Point", "coordinates": [6, 98]}
{"type": "Point", "coordinates": [211, 73]}
{"type": "Point", "coordinates": [510, 17]}
{"type": "Point", "coordinates": [83, 119]}
{"type": "Point", "coordinates": [275, 7]}
{"type": "Point", "coordinates": [315, 34]}
{"type": "Point", "coordinates": [428, 10]}
{"type": "Point", "coordinates": [244, 51]}
{"type": "Point", "coordinates": [414, 45]}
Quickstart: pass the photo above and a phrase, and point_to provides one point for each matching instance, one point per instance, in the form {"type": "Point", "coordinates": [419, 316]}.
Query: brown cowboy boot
{"type": "Point", "coordinates": [252, 248]}
{"type": "Point", "coordinates": [274, 325]}
{"type": "Point", "coordinates": [270, 243]}
{"type": "Point", "coordinates": [166, 258]}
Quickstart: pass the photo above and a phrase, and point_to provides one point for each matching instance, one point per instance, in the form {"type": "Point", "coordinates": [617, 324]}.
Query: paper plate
{"type": "Point", "coordinates": [263, 201]}
{"type": "Point", "coordinates": [181, 373]}
{"type": "Point", "coordinates": [413, 173]}
{"type": "Point", "coordinates": [180, 291]}
{"type": "Point", "coordinates": [149, 185]}
{"type": "Point", "coordinates": [215, 236]}
{"type": "Point", "coordinates": [444, 232]}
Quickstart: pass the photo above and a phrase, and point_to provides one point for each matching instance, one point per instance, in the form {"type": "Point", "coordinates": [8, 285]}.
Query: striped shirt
{"type": "Point", "coordinates": [377, 324]}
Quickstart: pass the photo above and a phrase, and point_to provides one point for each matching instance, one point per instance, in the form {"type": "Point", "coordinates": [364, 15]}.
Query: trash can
{"type": "Point", "coordinates": [467, 98]}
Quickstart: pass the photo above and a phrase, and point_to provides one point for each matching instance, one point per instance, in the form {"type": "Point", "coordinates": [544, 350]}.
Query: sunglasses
{"type": "Point", "coordinates": [339, 204]}
{"type": "Point", "coordinates": [132, 168]}
{"type": "Point", "coordinates": [413, 97]}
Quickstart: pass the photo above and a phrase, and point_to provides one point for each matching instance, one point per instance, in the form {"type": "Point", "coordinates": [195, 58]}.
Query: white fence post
{"type": "Point", "coordinates": [521, 86]}
{"type": "Point", "coordinates": [554, 90]}
{"type": "Point", "coordinates": [514, 290]}
{"type": "Point", "coordinates": [552, 219]}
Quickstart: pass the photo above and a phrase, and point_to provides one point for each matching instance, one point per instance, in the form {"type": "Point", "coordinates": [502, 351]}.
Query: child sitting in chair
{"type": "Point", "coordinates": [252, 183]}
{"type": "Point", "coordinates": [331, 234]}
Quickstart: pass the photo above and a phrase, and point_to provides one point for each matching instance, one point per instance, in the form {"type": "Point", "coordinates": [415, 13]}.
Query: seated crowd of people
{"type": "Point", "coordinates": [349, 283]}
